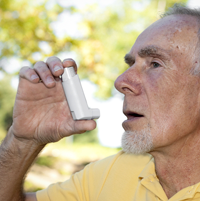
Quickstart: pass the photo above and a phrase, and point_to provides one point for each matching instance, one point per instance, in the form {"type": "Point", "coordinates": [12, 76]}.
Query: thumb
{"type": "Point", "coordinates": [82, 126]}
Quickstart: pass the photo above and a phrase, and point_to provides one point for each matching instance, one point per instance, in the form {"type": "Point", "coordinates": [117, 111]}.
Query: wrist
{"type": "Point", "coordinates": [15, 146]}
{"type": "Point", "coordinates": [16, 156]}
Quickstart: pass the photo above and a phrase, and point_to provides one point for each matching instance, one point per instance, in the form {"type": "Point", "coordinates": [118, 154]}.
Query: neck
{"type": "Point", "coordinates": [178, 167]}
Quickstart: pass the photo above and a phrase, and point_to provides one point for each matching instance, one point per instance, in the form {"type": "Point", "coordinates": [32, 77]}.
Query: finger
{"type": "Point", "coordinates": [70, 62]}
{"type": "Point", "coordinates": [29, 74]}
{"type": "Point", "coordinates": [45, 74]}
{"type": "Point", "coordinates": [82, 126]}
{"type": "Point", "coordinates": [55, 65]}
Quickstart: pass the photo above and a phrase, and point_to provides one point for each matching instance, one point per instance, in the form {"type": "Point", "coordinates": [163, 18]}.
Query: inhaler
{"type": "Point", "coordinates": [75, 96]}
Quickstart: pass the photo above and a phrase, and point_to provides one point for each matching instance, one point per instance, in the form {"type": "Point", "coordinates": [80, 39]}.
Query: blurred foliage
{"type": "Point", "coordinates": [88, 137]}
{"type": "Point", "coordinates": [106, 35]}
{"type": "Point", "coordinates": [48, 161]}
{"type": "Point", "coordinates": [31, 187]}
{"type": "Point", "coordinates": [7, 97]}
{"type": "Point", "coordinates": [25, 25]}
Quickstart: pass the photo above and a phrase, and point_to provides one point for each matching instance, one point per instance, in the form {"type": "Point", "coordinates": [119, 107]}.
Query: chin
{"type": "Point", "coordinates": [137, 142]}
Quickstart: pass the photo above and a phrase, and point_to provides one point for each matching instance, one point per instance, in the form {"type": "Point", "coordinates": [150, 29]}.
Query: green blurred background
{"type": "Point", "coordinates": [97, 35]}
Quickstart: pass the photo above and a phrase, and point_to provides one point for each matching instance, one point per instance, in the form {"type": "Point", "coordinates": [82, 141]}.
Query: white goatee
{"type": "Point", "coordinates": [137, 142]}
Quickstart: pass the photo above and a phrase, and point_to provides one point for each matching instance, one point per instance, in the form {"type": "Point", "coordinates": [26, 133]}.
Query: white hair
{"type": "Point", "coordinates": [181, 9]}
{"type": "Point", "coordinates": [137, 142]}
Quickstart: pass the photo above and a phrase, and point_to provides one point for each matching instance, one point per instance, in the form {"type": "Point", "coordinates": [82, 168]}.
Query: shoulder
{"type": "Point", "coordinates": [99, 178]}
{"type": "Point", "coordinates": [114, 173]}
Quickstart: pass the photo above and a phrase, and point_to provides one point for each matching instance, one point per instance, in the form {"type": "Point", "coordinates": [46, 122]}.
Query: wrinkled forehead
{"type": "Point", "coordinates": [170, 33]}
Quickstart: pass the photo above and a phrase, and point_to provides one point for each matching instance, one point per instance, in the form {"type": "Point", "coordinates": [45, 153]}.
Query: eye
{"type": "Point", "coordinates": [155, 64]}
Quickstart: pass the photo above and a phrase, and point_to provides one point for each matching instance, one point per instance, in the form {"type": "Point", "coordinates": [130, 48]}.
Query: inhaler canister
{"type": "Point", "coordinates": [75, 96]}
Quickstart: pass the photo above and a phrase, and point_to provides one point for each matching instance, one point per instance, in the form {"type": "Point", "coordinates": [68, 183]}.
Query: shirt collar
{"type": "Point", "coordinates": [149, 170]}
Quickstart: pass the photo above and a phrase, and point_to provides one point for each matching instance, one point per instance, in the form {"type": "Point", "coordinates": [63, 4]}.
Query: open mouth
{"type": "Point", "coordinates": [131, 115]}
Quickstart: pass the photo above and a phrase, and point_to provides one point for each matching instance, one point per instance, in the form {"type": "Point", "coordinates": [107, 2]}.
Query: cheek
{"type": "Point", "coordinates": [173, 106]}
{"type": "Point", "coordinates": [161, 89]}
{"type": "Point", "coordinates": [163, 92]}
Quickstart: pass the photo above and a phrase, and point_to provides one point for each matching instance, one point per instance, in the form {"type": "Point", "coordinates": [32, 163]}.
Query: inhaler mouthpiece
{"type": "Point", "coordinates": [75, 96]}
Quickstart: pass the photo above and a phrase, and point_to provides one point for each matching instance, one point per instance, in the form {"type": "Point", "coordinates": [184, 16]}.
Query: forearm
{"type": "Point", "coordinates": [16, 156]}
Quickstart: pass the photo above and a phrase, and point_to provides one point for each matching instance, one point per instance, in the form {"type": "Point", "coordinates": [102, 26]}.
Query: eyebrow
{"type": "Point", "coordinates": [149, 51]}
{"type": "Point", "coordinates": [153, 51]}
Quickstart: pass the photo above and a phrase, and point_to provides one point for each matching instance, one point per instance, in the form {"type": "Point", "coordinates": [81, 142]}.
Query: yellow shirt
{"type": "Point", "coordinates": [122, 177]}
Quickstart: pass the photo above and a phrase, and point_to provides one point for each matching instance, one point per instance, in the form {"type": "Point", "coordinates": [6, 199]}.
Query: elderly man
{"type": "Point", "coordinates": [161, 144]}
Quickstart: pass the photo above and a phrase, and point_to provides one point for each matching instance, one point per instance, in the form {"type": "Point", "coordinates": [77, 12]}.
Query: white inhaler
{"type": "Point", "coordinates": [75, 96]}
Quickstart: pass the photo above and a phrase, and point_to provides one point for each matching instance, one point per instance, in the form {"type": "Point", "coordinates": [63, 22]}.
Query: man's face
{"type": "Point", "coordinates": [160, 91]}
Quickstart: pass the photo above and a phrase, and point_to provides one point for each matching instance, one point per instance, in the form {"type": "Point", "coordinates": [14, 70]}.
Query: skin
{"type": "Point", "coordinates": [159, 85]}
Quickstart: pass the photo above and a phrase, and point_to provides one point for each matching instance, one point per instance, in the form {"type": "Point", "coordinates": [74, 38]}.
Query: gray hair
{"type": "Point", "coordinates": [181, 9]}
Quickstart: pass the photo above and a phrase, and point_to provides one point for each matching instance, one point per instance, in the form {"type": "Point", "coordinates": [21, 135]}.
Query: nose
{"type": "Point", "coordinates": [129, 82]}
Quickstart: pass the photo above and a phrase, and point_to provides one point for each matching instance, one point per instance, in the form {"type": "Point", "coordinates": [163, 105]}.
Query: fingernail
{"type": "Point", "coordinates": [56, 68]}
{"type": "Point", "coordinates": [50, 80]}
{"type": "Point", "coordinates": [33, 77]}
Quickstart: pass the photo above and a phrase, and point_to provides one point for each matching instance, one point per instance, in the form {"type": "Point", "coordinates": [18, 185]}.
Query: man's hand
{"type": "Point", "coordinates": [41, 115]}
{"type": "Point", "coordinates": [41, 111]}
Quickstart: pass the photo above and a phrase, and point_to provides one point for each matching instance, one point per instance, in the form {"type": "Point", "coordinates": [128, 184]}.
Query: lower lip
{"type": "Point", "coordinates": [134, 123]}
{"type": "Point", "coordinates": [132, 119]}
